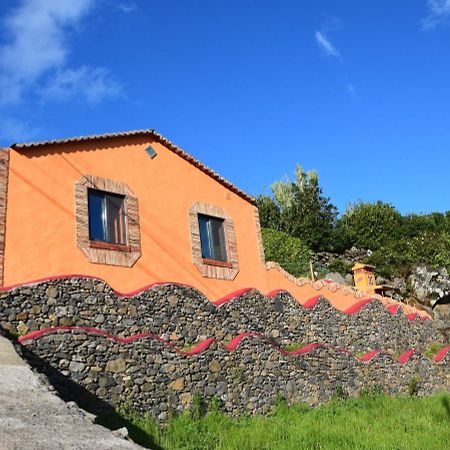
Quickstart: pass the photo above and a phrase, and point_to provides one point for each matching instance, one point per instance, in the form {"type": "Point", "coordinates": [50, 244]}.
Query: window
{"type": "Point", "coordinates": [212, 238]}
{"type": "Point", "coordinates": [106, 217]}
{"type": "Point", "coordinates": [107, 221]}
{"type": "Point", "coordinates": [213, 241]}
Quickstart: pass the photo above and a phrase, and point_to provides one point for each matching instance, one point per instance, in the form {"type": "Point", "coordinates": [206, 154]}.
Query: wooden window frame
{"type": "Point", "coordinates": [99, 252]}
{"type": "Point", "coordinates": [209, 268]}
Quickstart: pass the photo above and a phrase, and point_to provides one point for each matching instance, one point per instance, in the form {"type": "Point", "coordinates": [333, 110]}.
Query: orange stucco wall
{"type": "Point", "coordinates": [40, 236]}
{"type": "Point", "coordinates": [41, 227]}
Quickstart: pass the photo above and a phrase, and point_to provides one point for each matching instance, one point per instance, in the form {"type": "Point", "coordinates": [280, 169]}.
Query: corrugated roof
{"type": "Point", "coordinates": [148, 132]}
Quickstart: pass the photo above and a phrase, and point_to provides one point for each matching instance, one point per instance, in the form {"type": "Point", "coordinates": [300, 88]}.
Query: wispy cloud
{"type": "Point", "coordinates": [325, 44]}
{"type": "Point", "coordinates": [438, 12]}
{"type": "Point", "coordinates": [127, 7]}
{"type": "Point", "coordinates": [38, 48]}
{"type": "Point", "coordinates": [323, 41]}
{"type": "Point", "coordinates": [331, 24]}
{"type": "Point", "coordinates": [92, 84]}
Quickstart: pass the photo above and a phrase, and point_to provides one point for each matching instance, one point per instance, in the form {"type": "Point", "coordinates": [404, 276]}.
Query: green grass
{"type": "Point", "coordinates": [369, 422]}
{"type": "Point", "coordinates": [293, 346]}
{"type": "Point", "coordinates": [432, 349]}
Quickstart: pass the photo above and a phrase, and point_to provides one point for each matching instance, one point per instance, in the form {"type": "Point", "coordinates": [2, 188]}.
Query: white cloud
{"type": "Point", "coordinates": [325, 44]}
{"type": "Point", "coordinates": [37, 44]}
{"type": "Point", "coordinates": [93, 84]}
{"type": "Point", "coordinates": [438, 12]}
{"type": "Point", "coordinates": [36, 53]}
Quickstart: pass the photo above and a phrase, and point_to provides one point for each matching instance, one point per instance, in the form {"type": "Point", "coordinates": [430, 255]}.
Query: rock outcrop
{"type": "Point", "coordinates": [431, 288]}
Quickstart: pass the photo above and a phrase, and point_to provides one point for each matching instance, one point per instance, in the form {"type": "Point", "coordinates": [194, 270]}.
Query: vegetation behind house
{"type": "Point", "coordinates": [398, 242]}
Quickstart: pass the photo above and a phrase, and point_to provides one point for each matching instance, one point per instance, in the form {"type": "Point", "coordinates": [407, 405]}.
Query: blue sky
{"type": "Point", "coordinates": [357, 90]}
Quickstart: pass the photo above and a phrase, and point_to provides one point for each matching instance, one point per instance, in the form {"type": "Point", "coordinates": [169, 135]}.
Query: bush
{"type": "Point", "coordinates": [291, 253]}
{"type": "Point", "coordinates": [370, 225]}
{"type": "Point", "coordinates": [399, 257]}
{"type": "Point", "coordinates": [417, 224]}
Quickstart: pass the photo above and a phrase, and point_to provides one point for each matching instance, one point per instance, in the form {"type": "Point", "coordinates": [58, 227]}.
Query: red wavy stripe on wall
{"type": "Point", "coordinates": [440, 355]}
{"type": "Point", "coordinates": [310, 303]}
{"type": "Point", "coordinates": [404, 357]}
{"type": "Point", "coordinates": [121, 340]}
{"type": "Point", "coordinates": [231, 346]}
{"type": "Point", "coordinates": [393, 308]}
{"type": "Point", "coordinates": [275, 292]}
{"type": "Point", "coordinates": [369, 356]}
{"type": "Point", "coordinates": [231, 296]}
{"type": "Point", "coordinates": [91, 277]}
{"type": "Point", "coordinates": [358, 306]}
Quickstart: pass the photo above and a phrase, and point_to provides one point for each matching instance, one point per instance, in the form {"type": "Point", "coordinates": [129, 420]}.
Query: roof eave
{"type": "Point", "coordinates": [145, 132]}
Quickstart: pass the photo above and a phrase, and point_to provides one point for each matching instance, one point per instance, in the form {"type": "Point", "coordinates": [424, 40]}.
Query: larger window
{"type": "Point", "coordinates": [107, 214]}
{"type": "Point", "coordinates": [212, 238]}
{"type": "Point", "coordinates": [107, 221]}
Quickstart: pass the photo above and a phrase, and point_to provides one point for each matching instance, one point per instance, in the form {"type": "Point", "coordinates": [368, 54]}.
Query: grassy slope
{"type": "Point", "coordinates": [370, 422]}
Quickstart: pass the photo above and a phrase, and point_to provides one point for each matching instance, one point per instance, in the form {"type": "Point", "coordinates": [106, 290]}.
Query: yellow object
{"type": "Point", "coordinates": [364, 276]}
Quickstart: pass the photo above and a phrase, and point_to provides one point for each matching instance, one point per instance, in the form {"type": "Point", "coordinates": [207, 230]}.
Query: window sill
{"type": "Point", "coordinates": [214, 262]}
{"type": "Point", "coordinates": [109, 246]}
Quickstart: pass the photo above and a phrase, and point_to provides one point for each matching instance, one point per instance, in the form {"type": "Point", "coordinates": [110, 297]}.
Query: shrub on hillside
{"type": "Point", "coordinates": [397, 258]}
{"type": "Point", "coordinates": [416, 224]}
{"type": "Point", "coordinates": [371, 225]}
{"type": "Point", "coordinates": [291, 253]}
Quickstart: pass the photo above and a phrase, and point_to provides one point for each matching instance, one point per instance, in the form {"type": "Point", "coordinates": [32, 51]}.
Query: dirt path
{"type": "Point", "coordinates": [31, 417]}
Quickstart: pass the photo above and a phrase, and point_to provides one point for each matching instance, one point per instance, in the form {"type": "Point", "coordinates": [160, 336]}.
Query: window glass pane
{"type": "Point", "coordinates": [115, 219]}
{"type": "Point", "coordinates": [96, 218]}
{"type": "Point", "coordinates": [212, 238]}
{"type": "Point", "coordinates": [205, 237]}
{"type": "Point", "coordinates": [106, 217]}
{"type": "Point", "coordinates": [218, 239]}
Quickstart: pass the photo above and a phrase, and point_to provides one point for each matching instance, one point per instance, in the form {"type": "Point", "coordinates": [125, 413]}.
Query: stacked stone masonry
{"type": "Point", "coordinates": [159, 374]}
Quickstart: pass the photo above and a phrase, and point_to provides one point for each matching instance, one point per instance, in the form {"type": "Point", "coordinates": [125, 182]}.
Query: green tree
{"type": "Point", "coordinates": [370, 225]}
{"type": "Point", "coordinates": [269, 212]}
{"type": "Point", "coordinates": [304, 212]}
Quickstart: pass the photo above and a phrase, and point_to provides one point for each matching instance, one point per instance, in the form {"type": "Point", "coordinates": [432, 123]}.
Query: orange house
{"type": "Point", "coordinates": [134, 209]}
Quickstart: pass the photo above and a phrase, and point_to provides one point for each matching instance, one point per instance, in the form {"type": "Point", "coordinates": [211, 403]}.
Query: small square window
{"type": "Point", "coordinates": [212, 238]}
{"type": "Point", "coordinates": [106, 217]}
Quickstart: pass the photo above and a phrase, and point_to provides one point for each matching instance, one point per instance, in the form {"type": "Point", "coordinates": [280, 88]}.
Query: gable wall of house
{"type": "Point", "coordinates": [41, 222]}
{"type": "Point", "coordinates": [46, 223]}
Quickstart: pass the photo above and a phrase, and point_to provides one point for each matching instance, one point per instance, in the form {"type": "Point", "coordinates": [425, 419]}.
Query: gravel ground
{"type": "Point", "coordinates": [31, 417]}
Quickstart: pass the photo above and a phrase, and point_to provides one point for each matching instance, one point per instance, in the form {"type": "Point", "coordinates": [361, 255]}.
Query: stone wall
{"type": "Point", "coordinates": [168, 342]}
{"type": "Point", "coordinates": [156, 378]}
